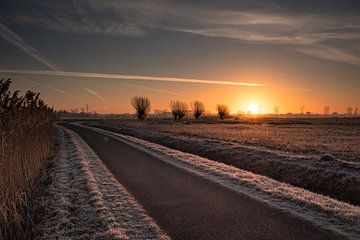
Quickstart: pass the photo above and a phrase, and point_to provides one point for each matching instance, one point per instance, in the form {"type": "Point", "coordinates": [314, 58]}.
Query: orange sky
{"type": "Point", "coordinates": [165, 51]}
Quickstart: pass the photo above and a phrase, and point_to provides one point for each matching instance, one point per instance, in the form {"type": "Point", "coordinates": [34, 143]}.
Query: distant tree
{"type": "Point", "coordinates": [142, 106]}
{"type": "Point", "coordinates": [198, 108]}
{"type": "Point", "coordinates": [178, 109]}
{"type": "Point", "coordinates": [222, 110]}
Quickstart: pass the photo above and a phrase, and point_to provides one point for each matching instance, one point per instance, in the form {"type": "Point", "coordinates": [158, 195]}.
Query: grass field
{"type": "Point", "coordinates": [321, 155]}
{"type": "Point", "coordinates": [303, 137]}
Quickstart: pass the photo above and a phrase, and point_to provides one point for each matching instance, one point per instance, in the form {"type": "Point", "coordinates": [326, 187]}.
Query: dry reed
{"type": "Point", "coordinates": [25, 143]}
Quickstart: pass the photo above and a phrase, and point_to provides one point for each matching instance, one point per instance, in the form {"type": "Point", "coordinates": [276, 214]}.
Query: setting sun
{"type": "Point", "coordinates": [238, 117]}
{"type": "Point", "coordinates": [253, 108]}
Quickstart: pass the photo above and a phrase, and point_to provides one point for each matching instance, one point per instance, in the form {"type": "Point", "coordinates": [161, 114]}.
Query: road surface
{"type": "Point", "coordinates": [190, 207]}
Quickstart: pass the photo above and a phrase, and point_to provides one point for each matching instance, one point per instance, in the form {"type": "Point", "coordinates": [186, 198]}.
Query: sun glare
{"type": "Point", "coordinates": [253, 108]}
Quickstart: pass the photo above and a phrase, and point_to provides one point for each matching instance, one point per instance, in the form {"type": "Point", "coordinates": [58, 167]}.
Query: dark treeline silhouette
{"type": "Point", "coordinates": [179, 110]}
{"type": "Point", "coordinates": [25, 137]}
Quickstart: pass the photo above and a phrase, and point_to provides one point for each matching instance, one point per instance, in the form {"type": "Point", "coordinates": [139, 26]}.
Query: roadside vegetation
{"type": "Point", "coordinates": [25, 144]}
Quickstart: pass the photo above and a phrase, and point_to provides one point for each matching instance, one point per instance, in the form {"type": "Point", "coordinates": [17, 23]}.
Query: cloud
{"type": "Point", "coordinates": [329, 53]}
{"type": "Point", "coordinates": [263, 22]}
{"type": "Point", "coordinates": [58, 91]}
{"type": "Point", "coordinates": [132, 77]}
{"type": "Point", "coordinates": [14, 39]}
{"type": "Point", "coordinates": [95, 94]}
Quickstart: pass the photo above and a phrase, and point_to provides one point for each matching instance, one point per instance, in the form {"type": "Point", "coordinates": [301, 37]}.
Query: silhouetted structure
{"type": "Point", "coordinates": [326, 110]}
{"type": "Point", "coordinates": [302, 109]}
{"type": "Point", "coordinates": [276, 110]}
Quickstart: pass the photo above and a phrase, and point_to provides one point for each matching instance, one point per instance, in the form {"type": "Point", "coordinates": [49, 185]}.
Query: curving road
{"type": "Point", "coordinates": [189, 207]}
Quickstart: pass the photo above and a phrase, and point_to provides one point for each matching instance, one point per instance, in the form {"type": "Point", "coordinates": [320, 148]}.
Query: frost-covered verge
{"type": "Point", "coordinates": [323, 211]}
{"type": "Point", "coordinates": [329, 176]}
{"type": "Point", "coordinates": [84, 200]}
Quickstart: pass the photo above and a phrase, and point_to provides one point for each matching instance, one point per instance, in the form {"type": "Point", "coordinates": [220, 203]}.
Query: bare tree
{"type": "Point", "coordinates": [198, 108]}
{"type": "Point", "coordinates": [222, 110]}
{"type": "Point", "coordinates": [178, 109]}
{"type": "Point", "coordinates": [142, 106]}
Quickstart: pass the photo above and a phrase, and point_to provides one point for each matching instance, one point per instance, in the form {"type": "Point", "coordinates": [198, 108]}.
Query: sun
{"type": "Point", "coordinates": [253, 108]}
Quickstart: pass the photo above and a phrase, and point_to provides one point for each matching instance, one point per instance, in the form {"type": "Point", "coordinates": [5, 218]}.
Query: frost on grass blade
{"type": "Point", "coordinates": [85, 201]}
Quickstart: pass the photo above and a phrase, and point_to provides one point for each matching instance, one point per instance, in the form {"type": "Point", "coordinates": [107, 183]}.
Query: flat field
{"type": "Point", "coordinates": [321, 155]}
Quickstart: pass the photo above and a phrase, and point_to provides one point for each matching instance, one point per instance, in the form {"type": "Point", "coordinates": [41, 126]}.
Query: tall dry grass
{"type": "Point", "coordinates": [25, 143]}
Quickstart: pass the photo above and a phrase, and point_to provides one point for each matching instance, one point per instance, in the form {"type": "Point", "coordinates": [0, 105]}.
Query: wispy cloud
{"type": "Point", "coordinates": [94, 93]}
{"type": "Point", "coordinates": [330, 53]}
{"type": "Point", "coordinates": [14, 39]}
{"type": "Point", "coordinates": [132, 77]}
{"type": "Point", "coordinates": [58, 90]}
{"type": "Point", "coordinates": [258, 22]}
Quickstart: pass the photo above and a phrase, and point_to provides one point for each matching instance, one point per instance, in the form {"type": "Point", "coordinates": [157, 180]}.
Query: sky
{"type": "Point", "coordinates": [250, 55]}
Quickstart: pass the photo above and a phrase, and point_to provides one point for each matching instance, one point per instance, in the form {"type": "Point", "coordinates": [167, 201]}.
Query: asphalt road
{"type": "Point", "coordinates": [190, 207]}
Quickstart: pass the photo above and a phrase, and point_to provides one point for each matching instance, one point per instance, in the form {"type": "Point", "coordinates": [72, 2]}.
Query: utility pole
{"type": "Point", "coordinates": [87, 108]}
{"type": "Point", "coordinates": [302, 108]}
{"type": "Point", "coordinates": [326, 110]}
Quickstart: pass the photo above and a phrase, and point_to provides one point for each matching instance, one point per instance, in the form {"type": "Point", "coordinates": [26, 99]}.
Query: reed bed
{"type": "Point", "coordinates": [25, 144]}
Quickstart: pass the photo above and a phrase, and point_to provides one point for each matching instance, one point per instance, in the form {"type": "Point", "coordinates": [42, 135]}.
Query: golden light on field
{"type": "Point", "coordinates": [253, 108]}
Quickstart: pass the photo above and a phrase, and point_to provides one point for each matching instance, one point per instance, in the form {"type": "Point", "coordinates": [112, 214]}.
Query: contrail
{"type": "Point", "coordinates": [153, 89]}
{"type": "Point", "coordinates": [131, 77]}
{"type": "Point", "coordinates": [13, 38]}
{"type": "Point", "coordinates": [95, 94]}
{"type": "Point", "coordinates": [57, 90]}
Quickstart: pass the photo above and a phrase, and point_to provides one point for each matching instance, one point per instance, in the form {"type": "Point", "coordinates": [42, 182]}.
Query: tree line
{"type": "Point", "coordinates": [179, 109]}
